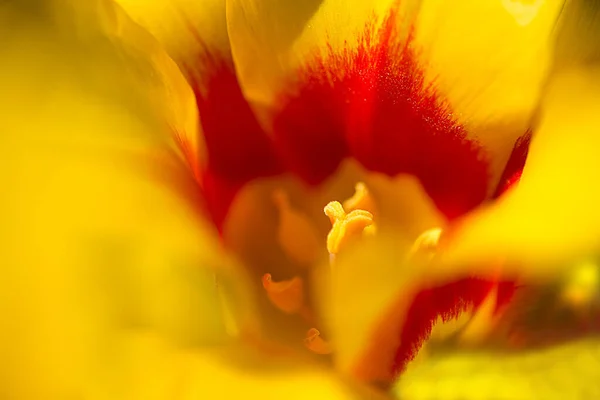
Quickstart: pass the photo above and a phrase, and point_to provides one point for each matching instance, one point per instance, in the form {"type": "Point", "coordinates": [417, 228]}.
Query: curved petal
{"type": "Point", "coordinates": [101, 235]}
{"type": "Point", "coordinates": [379, 81]}
{"type": "Point", "coordinates": [376, 334]}
{"type": "Point", "coordinates": [489, 60]}
{"type": "Point", "coordinates": [178, 25]}
{"type": "Point", "coordinates": [551, 219]}
{"type": "Point", "coordinates": [232, 148]}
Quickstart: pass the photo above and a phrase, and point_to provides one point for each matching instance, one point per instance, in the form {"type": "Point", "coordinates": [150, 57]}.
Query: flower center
{"type": "Point", "coordinates": [299, 239]}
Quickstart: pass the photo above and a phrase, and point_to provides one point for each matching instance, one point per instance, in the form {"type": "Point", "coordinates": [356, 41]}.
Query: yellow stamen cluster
{"type": "Point", "coordinates": [298, 238]}
{"type": "Point", "coordinates": [345, 226]}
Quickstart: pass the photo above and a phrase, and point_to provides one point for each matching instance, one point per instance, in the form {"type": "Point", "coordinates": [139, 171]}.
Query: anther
{"type": "Point", "coordinates": [287, 295]}
{"type": "Point", "coordinates": [361, 200]}
{"type": "Point", "coordinates": [345, 226]}
{"type": "Point", "coordinates": [315, 343]}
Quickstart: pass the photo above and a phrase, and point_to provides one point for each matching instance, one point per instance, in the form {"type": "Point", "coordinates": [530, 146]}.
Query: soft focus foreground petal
{"type": "Point", "coordinates": [344, 80]}
{"type": "Point", "coordinates": [101, 235]}
{"type": "Point", "coordinates": [232, 147]}
{"type": "Point", "coordinates": [377, 333]}
{"type": "Point", "coordinates": [174, 100]}
{"type": "Point", "coordinates": [170, 23]}
{"type": "Point", "coordinates": [179, 24]}
{"type": "Point", "coordinates": [580, 27]}
{"type": "Point", "coordinates": [551, 219]}
{"type": "Point", "coordinates": [568, 371]}
{"type": "Point", "coordinates": [160, 371]}
{"type": "Point", "coordinates": [489, 60]}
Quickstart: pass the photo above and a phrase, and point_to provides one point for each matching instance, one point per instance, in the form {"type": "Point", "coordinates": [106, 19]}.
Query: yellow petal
{"type": "Point", "coordinates": [579, 27]}
{"type": "Point", "coordinates": [194, 34]}
{"type": "Point", "coordinates": [374, 335]}
{"type": "Point", "coordinates": [567, 371]}
{"type": "Point", "coordinates": [376, 268]}
{"type": "Point", "coordinates": [271, 40]}
{"type": "Point", "coordinates": [231, 148]}
{"type": "Point", "coordinates": [403, 75]}
{"type": "Point", "coordinates": [551, 219]}
{"type": "Point", "coordinates": [403, 204]}
{"type": "Point", "coordinates": [157, 370]}
{"type": "Point", "coordinates": [179, 24]}
{"type": "Point", "coordinates": [101, 232]}
{"type": "Point", "coordinates": [489, 60]}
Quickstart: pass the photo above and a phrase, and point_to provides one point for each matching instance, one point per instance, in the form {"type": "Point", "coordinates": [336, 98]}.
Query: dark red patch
{"type": "Point", "coordinates": [237, 146]}
{"type": "Point", "coordinates": [514, 167]}
{"type": "Point", "coordinates": [448, 302]}
{"type": "Point", "coordinates": [238, 150]}
{"type": "Point", "coordinates": [372, 104]}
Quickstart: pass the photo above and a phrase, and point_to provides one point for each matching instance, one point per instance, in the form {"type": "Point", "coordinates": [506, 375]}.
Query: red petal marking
{"type": "Point", "coordinates": [238, 149]}
{"type": "Point", "coordinates": [373, 104]}
{"type": "Point", "coordinates": [514, 167]}
{"type": "Point", "coordinates": [218, 194]}
{"type": "Point", "coordinates": [402, 331]}
{"type": "Point", "coordinates": [237, 146]}
{"type": "Point", "coordinates": [448, 302]}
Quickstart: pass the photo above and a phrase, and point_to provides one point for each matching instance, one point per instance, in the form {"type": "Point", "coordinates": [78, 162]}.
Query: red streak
{"type": "Point", "coordinates": [514, 167]}
{"type": "Point", "coordinates": [237, 148]}
{"type": "Point", "coordinates": [448, 302]}
{"type": "Point", "coordinates": [373, 104]}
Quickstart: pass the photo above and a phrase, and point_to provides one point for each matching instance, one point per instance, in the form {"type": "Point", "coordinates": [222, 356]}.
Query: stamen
{"type": "Point", "coordinates": [426, 244]}
{"type": "Point", "coordinates": [297, 236]}
{"type": "Point", "coordinates": [288, 295]}
{"type": "Point", "coordinates": [315, 343]}
{"type": "Point", "coordinates": [344, 226]}
{"type": "Point", "coordinates": [361, 200]}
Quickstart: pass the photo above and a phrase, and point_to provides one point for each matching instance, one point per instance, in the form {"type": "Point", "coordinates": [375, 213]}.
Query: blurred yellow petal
{"type": "Point", "coordinates": [231, 148]}
{"type": "Point", "coordinates": [567, 371]}
{"type": "Point", "coordinates": [378, 270]}
{"type": "Point", "coordinates": [194, 34]}
{"type": "Point", "coordinates": [101, 232]}
{"type": "Point", "coordinates": [377, 333]}
{"type": "Point", "coordinates": [179, 24]}
{"type": "Point", "coordinates": [164, 87]}
{"type": "Point", "coordinates": [159, 371]}
{"type": "Point", "coordinates": [579, 29]}
{"type": "Point", "coordinates": [489, 59]}
{"type": "Point", "coordinates": [551, 219]}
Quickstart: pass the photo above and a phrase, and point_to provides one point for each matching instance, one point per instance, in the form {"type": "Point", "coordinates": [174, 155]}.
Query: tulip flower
{"type": "Point", "coordinates": [276, 200]}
